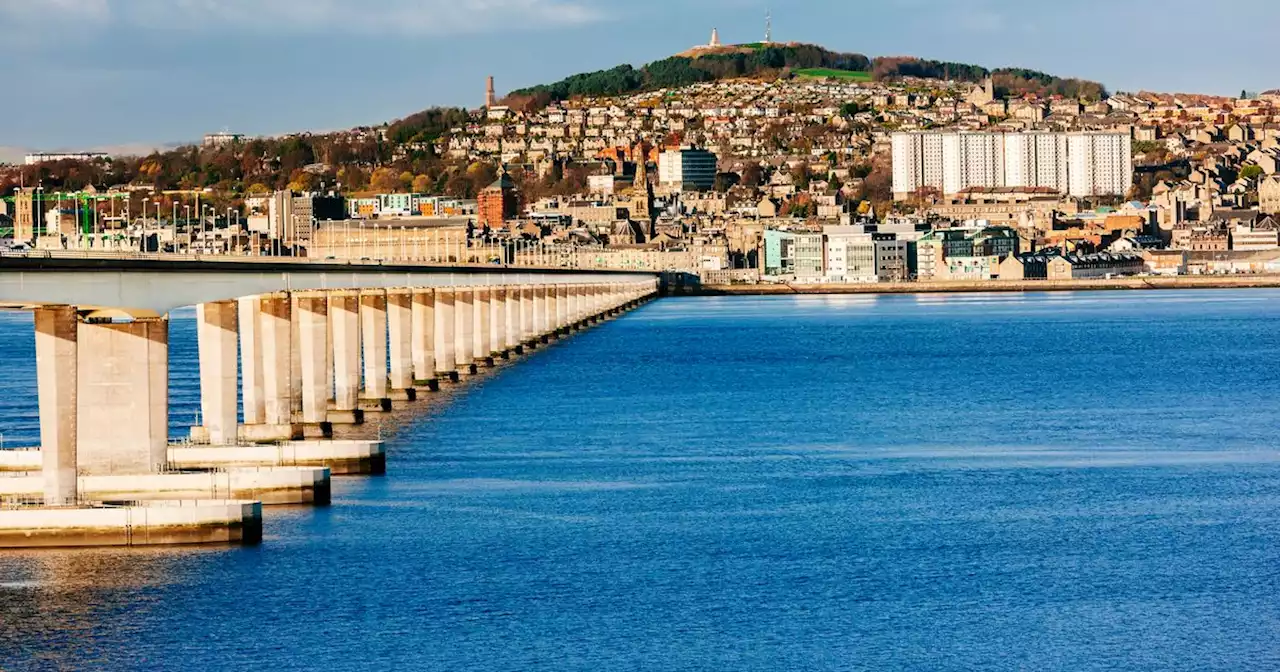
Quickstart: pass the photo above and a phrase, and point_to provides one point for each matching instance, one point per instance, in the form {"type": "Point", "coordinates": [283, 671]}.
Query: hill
{"type": "Point", "coordinates": [757, 60]}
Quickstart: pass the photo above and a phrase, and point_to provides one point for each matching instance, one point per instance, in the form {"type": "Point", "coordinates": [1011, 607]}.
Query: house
{"type": "Point", "coordinates": [1092, 266]}
{"type": "Point", "coordinates": [1166, 262]}
{"type": "Point", "coordinates": [1269, 194]}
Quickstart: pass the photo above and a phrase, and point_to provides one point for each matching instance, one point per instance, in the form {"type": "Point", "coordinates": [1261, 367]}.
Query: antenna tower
{"type": "Point", "coordinates": [768, 26]}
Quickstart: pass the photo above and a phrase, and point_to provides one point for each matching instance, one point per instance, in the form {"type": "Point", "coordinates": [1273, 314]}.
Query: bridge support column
{"type": "Point", "coordinates": [548, 312]}
{"type": "Point", "coordinates": [400, 331]}
{"type": "Point", "coordinates": [498, 321]}
{"type": "Point", "coordinates": [122, 397]}
{"type": "Point", "coordinates": [313, 355]}
{"type": "Point", "coordinates": [527, 333]}
{"type": "Point", "coordinates": [464, 331]}
{"type": "Point", "coordinates": [216, 335]}
{"type": "Point", "coordinates": [344, 323]}
{"type": "Point", "coordinates": [295, 358]}
{"type": "Point", "coordinates": [540, 313]}
{"type": "Point", "coordinates": [445, 340]}
{"type": "Point", "coordinates": [597, 301]}
{"type": "Point", "coordinates": [483, 323]}
{"type": "Point", "coordinates": [423, 338]}
{"type": "Point", "coordinates": [562, 307]}
{"type": "Point", "coordinates": [511, 306]}
{"type": "Point", "coordinates": [57, 329]}
{"type": "Point", "coordinates": [576, 312]}
{"type": "Point", "coordinates": [277, 370]}
{"type": "Point", "coordinates": [254, 407]}
{"type": "Point", "coordinates": [553, 310]}
{"type": "Point", "coordinates": [373, 336]}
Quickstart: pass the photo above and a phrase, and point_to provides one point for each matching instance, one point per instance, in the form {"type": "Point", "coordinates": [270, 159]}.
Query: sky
{"type": "Point", "coordinates": [131, 74]}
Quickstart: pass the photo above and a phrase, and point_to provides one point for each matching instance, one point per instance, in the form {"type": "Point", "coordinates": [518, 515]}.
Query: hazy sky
{"type": "Point", "coordinates": [87, 73]}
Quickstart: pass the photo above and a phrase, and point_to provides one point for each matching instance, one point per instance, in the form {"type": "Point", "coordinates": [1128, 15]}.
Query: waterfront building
{"type": "Point", "coordinates": [1079, 164]}
{"type": "Point", "coordinates": [810, 253]}
{"type": "Point", "coordinates": [779, 252]}
{"type": "Point", "coordinates": [851, 255]}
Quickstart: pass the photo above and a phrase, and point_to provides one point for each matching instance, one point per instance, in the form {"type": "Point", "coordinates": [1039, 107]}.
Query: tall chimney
{"type": "Point", "coordinates": [490, 96]}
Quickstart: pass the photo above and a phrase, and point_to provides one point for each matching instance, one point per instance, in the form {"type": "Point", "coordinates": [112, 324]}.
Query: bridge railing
{"type": "Point", "coordinates": [478, 256]}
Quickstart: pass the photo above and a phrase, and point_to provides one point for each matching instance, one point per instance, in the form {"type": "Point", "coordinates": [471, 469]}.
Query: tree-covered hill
{"type": "Point", "coordinates": [774, 60]}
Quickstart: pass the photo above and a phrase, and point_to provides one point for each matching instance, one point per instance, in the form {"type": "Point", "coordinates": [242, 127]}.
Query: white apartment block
{"type": "Point", "coordinates": [1078, 164]}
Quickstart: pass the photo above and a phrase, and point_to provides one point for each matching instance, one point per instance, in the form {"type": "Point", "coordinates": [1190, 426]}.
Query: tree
{"type": "Point", "coordinates": [725, 181]}
{"type": "Point", "coordinates": [384, 180]}
{"type": "Point", "coordinates": [1251, 172]}
{"type": "Point", "coordinates": [752, 175]}
{"type": "Point", "coordinates": [851, 108]}
{"type": "Point", "coordinates": [421, 184]}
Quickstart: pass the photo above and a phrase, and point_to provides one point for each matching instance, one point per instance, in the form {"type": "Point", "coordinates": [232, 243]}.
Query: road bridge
{"type": "Point", "coordinates": [287, 349]}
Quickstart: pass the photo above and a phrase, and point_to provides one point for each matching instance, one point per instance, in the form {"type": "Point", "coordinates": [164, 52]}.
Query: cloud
{"type": "Point", "coordinates": [368, 17]}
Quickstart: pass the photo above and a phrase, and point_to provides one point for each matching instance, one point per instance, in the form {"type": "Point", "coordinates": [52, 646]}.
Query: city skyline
{"type": "Point", "coordinates": [158, 74]}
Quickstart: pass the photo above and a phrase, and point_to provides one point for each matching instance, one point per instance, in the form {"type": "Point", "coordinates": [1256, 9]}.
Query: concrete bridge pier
{"type": "Point", "coordinates": [423, 340]}
{"type": "Point", "coordinates": [498, 322]}
{"type": "Point", "coordinates": [482, 322]}
{"type": "Point", "coordinates": [275, 323]}
{"type": "Point", "coordinates": [373, 337]}
{"type": "Point", "coordinates": [344, 323]}
{"type": "Point", "coordinates": [464, 331]}
{"type": "Point", "coordinates": [562, 308]}
{"type": "Point", "coordinates": [548, 313]}
{"type": "Point", "coordinates": [400, 339]}
{"type": "Point", "coordinates": [553, 311]}
{"type": "Point", "coordinates": [578, 304]}
{"type": "Point", "coordinates": [314, 359]}
{"type": "Point", "coordinates": [217, 330]}
{"type": "Point", "coordinates": [57, 338]}
{"type": "Point", "coordinates": [253, 407]}
{"type": "Point", "coordinates": [511, 304]}
{"type": "Point", "coordinates": [122, 397]}
{"type": "Point", "coordinates": [540, 314]}
{"type": "Point", "coordinates": [527, 322]}
{"type": "Point", "coordinates": [445, 335]}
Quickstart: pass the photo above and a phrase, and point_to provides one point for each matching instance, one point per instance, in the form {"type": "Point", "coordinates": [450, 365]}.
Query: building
{"type": "Point", "coordinates": [1255, 236]}
{"type": "Point", "coordinates": [497, 202]}
{"type": "Point", "coordinates": [1092, 266]}
{"type": "Point", "coordinates": [779, 252]}
{"type": "Point", "coordinates": [810, 257]}
{"type": "Point", "coordinates": [291, 218]}
{"type": "Point", "coordinates": [1080, 164]}
{"type": "Point", "coordinates": [1269, 194]}
{"type": "Point", "coordinates": [28, 215]}
{"type": "Point", "coordinates": [39, 157]}
{"type": "Point", "coordinates": [851, 255]}
{"type": "Point", "coordinates": [223, 139]}
{"type": "Point", "coordinates": [687, 169]}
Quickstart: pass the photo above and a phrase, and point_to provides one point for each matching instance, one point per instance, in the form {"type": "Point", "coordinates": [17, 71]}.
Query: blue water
{"type": "Point", "coordinates": [1042, 482]}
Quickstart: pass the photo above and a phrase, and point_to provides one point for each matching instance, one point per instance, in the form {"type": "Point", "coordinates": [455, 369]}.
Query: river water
{"type": "Point", "coordinates": [1024, 481]}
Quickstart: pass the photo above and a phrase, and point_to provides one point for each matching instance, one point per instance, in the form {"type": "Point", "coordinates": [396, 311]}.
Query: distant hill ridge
{"type": "Point", "coordinates": [772, 60]}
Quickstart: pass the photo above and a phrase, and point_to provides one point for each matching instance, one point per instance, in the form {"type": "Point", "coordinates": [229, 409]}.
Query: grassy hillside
{"type": "Point", "coordinates": [823, 73]}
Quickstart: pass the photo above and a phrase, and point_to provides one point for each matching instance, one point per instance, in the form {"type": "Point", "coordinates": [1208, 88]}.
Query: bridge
{"type": "Point", "coordinates": [289, 349]}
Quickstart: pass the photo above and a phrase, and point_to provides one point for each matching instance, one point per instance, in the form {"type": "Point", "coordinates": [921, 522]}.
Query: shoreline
{"type": "Point", "coordinates": [980, 286]}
